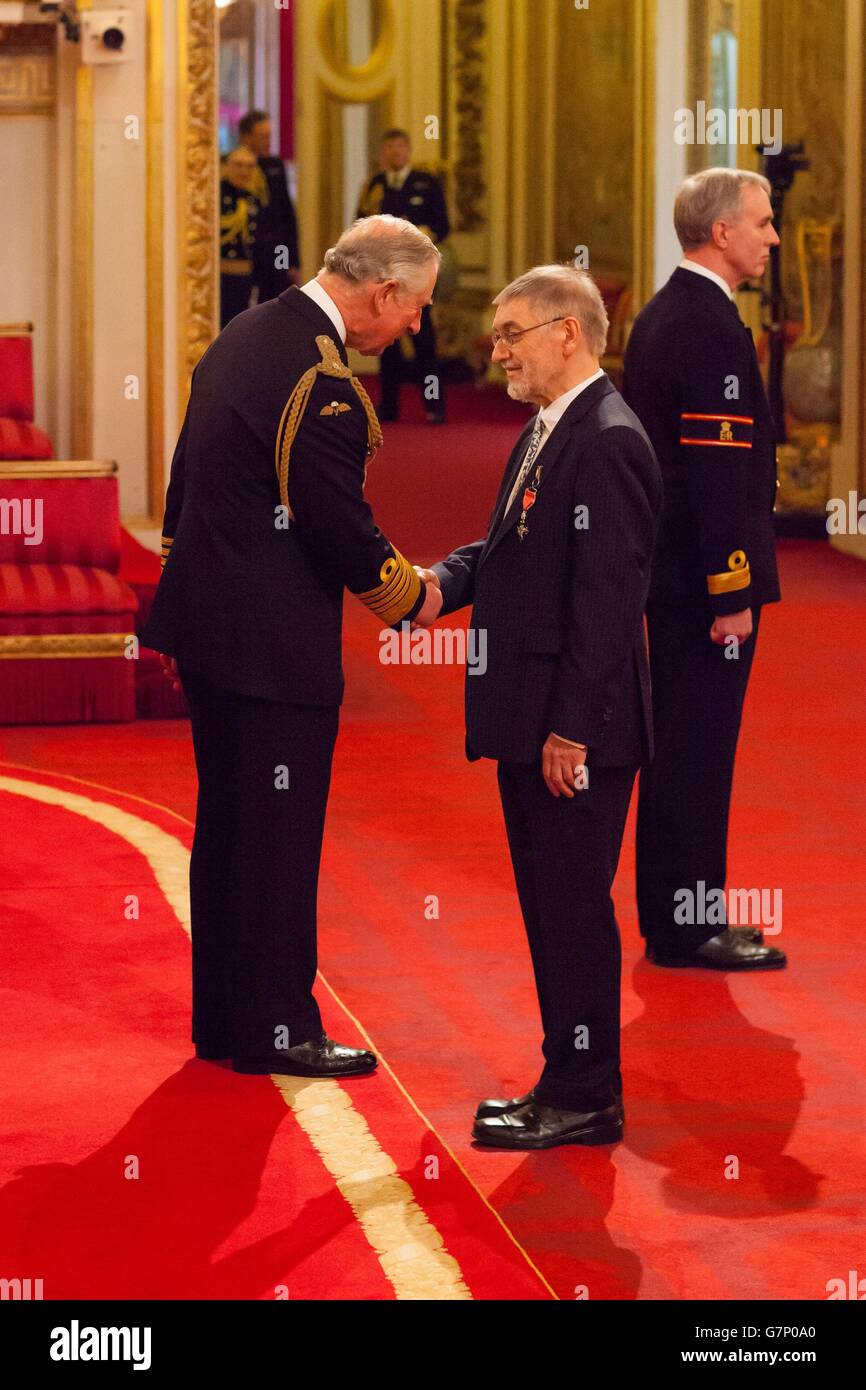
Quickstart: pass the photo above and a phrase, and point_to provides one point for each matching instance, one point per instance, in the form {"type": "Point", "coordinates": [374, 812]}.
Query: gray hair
{"type": "Point", "coordinates": [707, 196]}
{"type": "Point", "coordinates": [383, 248]}
{"type": "Point", "coordinates": [563, 290]}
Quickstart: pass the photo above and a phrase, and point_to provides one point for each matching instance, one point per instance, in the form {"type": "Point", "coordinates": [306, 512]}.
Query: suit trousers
{"type": "Point", "coordinates": [264, 773]}
{"type": "Point", "coordinates": [685, 795]}
{"type": "Point", "coordinates": [391, 368]}
{"type": "Point", "coordinates": [565, 853]}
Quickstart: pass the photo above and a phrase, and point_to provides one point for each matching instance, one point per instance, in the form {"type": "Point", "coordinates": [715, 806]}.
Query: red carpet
{"type": "Point", "coordinates": [233, 1198]}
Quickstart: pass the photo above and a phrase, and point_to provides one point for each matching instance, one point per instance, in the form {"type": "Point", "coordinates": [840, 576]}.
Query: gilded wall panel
{"type": "Point", "coordinates": [594, 136]}
{"type": "Point", "coordinates": [804, 72]}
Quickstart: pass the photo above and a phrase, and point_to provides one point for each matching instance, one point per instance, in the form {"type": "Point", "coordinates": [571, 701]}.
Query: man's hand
{"type": "Point", "coordinates": [427, 576]}
{"type": "Point", "coordinates": [169, 670]}
{"type": "Point", "coordinates": [429, 611]}
{"type": "Point", "coordinates": [559, 763]}
{"type": "Point", "coordinates": [737, 625]}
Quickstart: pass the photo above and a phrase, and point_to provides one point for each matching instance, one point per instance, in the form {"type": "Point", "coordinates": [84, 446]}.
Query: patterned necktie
{"type": "Point", "coordinates": [529, 459]}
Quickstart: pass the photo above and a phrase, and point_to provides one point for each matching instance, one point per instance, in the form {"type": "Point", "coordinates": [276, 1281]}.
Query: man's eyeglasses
{"type": "Point", "coordinates": [509, 339]}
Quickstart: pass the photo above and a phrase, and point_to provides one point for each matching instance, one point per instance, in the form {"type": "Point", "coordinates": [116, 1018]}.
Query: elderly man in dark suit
{"type": "Point", "coordinates": [265, 525]}
{"type": "Point", "coordinates": [559, 586]}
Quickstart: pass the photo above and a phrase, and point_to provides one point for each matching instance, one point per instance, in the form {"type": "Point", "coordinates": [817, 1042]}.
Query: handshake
{"type": "Point", "coordinates": [429, 611]}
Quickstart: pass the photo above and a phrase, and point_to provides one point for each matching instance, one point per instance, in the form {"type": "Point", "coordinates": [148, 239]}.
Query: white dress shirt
{"type": "Point", "coordinates": [553, 413]}
{"type": "Point", "coordinates": [549, 417]}
{"type": "Point", "coordinates": [710, 274]}
{"type": "Point", "coordinates": [321, 297]}
{"type": "Point", "coordinates": [395, 178]}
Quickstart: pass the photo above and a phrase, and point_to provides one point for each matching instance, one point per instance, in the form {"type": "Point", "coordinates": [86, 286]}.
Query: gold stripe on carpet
{"type": "Point", "coordinates": [406, 1243]}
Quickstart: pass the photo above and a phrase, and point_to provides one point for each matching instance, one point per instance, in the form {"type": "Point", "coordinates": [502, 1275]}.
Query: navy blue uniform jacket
{"type": "Point", "coordinates": [248, 601]}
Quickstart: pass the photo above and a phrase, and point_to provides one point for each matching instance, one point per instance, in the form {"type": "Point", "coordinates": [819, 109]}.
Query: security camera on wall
{"type": "Point", "coordinates": [105, 36]}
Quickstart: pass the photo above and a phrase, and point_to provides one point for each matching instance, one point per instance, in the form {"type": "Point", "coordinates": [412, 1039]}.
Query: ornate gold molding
{"type": "Point", "coordinates": [469, 57]}
{"type": "Point", "coordinates": [27, 83]}
{"type": "Point", "coordinates": [54, 645]}
{"type": "Point", "coordinates": [154, 259]}
{"type": "Point", "coordinates": [196, 185]}
{"type": "Point", "coordinates": [643, 168]}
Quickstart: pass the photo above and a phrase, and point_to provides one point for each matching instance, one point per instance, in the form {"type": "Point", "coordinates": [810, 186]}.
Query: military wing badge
{"type": "Point", "coordinates": [335, 408]}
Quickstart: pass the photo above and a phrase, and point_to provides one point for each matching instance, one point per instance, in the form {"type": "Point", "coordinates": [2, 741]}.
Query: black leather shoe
{"type": "Point", "coordinates": [489, 1109]}
{"type": "Point", "coordinates": [321, 1057]}
{"type": "Point", "coordinates": [750, 934]}
{"type": "Point", "coordinates": [534, 1126]}
{"type": "Point", "coordinates": [729, 950]}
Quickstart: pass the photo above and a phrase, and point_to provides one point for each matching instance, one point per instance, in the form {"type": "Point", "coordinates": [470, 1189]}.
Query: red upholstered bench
{"type": "Point", "coordinates": [66, 618]}
{"type": "Point", "coordinates": [19, 437]}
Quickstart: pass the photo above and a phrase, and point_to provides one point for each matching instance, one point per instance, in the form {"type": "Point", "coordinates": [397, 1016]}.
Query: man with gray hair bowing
{"type": "Point", "coordinates": [559, 585]}
{"type": "Point", "coordinates": [265, 525]}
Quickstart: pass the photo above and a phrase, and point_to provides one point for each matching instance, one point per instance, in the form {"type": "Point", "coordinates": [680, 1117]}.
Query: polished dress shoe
{"type": "Point", "coordinates": [489, 1109]}
{"type": "Point", "coordinates": [729, 950]}
{"type": "Point", "coordinates": [750, 934]}
{"type": "Point", "coordinates": [534, 1126]}
{"type": "Point", "coordinates": [320, 1057]}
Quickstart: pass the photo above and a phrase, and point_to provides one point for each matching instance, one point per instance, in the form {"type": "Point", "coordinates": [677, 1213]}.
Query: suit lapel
{"type": "Point", "coordinates": [547, 458]}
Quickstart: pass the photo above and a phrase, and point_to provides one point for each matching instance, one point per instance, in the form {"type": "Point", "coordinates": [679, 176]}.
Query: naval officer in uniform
{"type": "Point", "coordinates": [692, 378]}
{"type": "Point", "coordinates": [265, 526]}
{"type": "Point", "coordinates": [417, 195]}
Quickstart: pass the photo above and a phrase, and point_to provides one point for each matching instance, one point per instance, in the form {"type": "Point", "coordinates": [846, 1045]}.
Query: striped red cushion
{"type": "Point", "coordinates": [59, 589]}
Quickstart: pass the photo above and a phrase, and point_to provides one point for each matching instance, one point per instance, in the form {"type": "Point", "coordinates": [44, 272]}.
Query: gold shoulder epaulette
{"type": "Point", "coordinates": [331, 364]}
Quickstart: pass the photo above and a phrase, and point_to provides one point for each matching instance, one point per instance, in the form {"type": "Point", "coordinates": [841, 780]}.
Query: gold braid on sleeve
{"type": "Point", "coordinates": [331, 364]}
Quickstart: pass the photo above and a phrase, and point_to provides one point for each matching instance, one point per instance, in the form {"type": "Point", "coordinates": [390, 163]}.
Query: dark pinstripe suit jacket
{"type": "Point", "coordinates": [562, 608]}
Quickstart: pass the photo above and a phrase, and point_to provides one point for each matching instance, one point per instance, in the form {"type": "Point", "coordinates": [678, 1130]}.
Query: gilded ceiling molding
{"type": "Point", "coordinates": [469, 35]}
{"type": "Point", "coordinates": [197, 185]}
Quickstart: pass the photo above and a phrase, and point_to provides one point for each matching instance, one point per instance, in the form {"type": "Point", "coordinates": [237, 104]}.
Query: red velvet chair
{"type": "Point", "coordinates": [65, 616]}
{"type": "Point", "coordinates": [19, 437]}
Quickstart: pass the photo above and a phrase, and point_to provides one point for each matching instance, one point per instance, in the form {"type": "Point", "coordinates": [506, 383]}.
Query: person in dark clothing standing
{"type": "Point", "coordinates": [277, 257]}
{"type": "Point", "coordinates": [558, 588]}
{"type": "Point", "coordinates": [417, 196]}
{"type": "Point", "coordinates": [692, 378]}
{"type": "Point", "coordinates": [265, 526]}
{"type": "Point", "coordinates": [239, 214]}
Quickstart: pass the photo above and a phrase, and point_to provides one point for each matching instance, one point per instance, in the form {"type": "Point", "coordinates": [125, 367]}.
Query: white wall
{"type": "Point", "coordinates": [670, 158]}
{"type": "Point", "coordinates": [119, 279]}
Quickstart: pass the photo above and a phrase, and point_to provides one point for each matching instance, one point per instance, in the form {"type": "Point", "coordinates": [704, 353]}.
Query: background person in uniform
{"type": "Point", "coordinates": [278, 224]}
{"type": "Point", "coordinates": [239, 212]}
{"type": "Point", "coordinates": [265, 524]}
{"type": "Point", "coordinates": [692, 376]}
{"type": "Point", "coordinates": [565, 695]}
{"type": "Point", "coordinates": [416, 195]}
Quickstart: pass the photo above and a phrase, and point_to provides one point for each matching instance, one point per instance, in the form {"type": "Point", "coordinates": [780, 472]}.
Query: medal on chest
{"type": "Point", "coordinates": [528, 502]}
